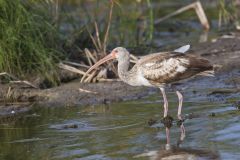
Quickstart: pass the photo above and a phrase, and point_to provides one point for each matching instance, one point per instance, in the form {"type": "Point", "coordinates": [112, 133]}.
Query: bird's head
{"type": "Point", "coordinates": [118, 53]}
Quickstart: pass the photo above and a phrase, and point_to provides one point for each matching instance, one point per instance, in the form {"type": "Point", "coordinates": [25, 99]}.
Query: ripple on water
{"type": "Point", "coordinates": [229, 134]}
{"type": "Point", "coordinates": [28, 140]}
{"type": "Point", "coordinates": [84, 126]}
{"type": "Point", "coordinates": [94, 157]}
{"type": "Point", "coordinates": [71, 153]}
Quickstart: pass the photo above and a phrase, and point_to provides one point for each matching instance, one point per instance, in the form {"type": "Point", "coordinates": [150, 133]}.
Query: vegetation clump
{"type": "Point", "coordinates": [28, 40]}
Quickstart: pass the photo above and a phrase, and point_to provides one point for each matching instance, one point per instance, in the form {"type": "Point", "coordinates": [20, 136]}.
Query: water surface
{"type": "Point", "coordinates": [121, 131]}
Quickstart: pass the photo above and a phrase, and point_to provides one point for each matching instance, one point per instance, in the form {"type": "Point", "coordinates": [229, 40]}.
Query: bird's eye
{"type": "Point", "coordinates": [116, 51]}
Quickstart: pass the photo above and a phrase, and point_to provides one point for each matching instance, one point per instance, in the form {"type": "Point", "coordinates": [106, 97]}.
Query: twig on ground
{"type": "Point", "coordinates": [24, 82]}
{"type": "Point", "coordinates": [15, 103]}
{"type": "Point", "coordinates": [9, 93]}
{"type": "Point", "coordinates": [16, 80]}
{"type": "Point", "coordinates": [9, 75]}
{"type": "Point", "coordinates": [108, 80]}
{"type": "Point", "coordinates": [87, 91]}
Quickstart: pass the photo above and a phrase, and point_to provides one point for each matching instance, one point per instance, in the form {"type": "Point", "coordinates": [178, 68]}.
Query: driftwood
{"type": "Point", "coordinates": [76, 64]}
{"type": "Point", "coordinates": [197, 6]}
{"type": "Point", "coordinates": [15, 80]}
{"type": "Point", "coordinates": [23, 82]}
{"type": "Point", "coordinates": [7, 74]}
{"type": "Point", "coordinates": [70, 68]}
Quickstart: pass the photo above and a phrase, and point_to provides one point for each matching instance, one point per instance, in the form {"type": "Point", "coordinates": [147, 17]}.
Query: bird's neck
{"type": "Point", "coordinates": [123, 69]}
{"type": "Point", "coordinates": [125, 74]}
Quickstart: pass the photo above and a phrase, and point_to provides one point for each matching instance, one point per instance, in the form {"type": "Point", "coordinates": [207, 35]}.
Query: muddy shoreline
{"type": "Point", "coordinates": [225, 52]}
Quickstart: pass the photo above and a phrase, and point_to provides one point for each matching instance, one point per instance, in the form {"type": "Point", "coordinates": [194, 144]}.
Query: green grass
{"type": "Point", "coordinates": [28, 40]}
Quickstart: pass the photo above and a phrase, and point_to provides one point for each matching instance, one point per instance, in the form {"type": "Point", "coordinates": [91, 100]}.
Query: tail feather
{"type": "Point", "coordinates": [209, 73]}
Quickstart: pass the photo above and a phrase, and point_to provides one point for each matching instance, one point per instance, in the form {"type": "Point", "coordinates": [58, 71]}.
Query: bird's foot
{"type": "Point", "coordinates": [180, 120]}
{"type": "Point", "coordinates": [167, 121]}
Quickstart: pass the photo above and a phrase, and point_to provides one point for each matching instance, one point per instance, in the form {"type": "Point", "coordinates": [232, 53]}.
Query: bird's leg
{"type": "Point", "coordinates": [180, 99]}
{"type": "Point", "coordinates": [165, 102]}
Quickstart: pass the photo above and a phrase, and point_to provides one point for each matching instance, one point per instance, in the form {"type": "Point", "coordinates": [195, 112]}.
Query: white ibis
{"type": "Point", "coordinates": [159, 69]}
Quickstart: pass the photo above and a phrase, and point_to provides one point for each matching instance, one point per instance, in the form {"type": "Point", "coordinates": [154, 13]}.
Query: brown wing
{"type": "Point", "coordinates": [162, 68]}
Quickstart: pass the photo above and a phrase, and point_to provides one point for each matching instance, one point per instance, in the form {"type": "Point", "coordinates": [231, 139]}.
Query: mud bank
{"type": "Point", "coordinates": [224, 51]}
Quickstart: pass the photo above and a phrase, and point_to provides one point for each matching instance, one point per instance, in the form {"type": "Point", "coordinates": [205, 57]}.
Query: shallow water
{"type": "Point", "coordinates": [121, 131]}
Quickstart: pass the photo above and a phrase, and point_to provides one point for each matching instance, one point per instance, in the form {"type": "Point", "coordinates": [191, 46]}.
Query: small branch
{"type": "Point", "coordinates": [76, 64]}
{"type": "Point", "coordinates": [15, 103]}
{"type": "Point", "coordinates": [70, 68]}
{"type": "Point", "coordinates": [93, 40]}
{"type": "Point", "coordinates": [97, 34]}
{"type": "Point", "coordinates": [9, 75]}
{"type": "Point", "coordinates": [88, 58]}
{"type": "Point", "coordinates": [16, 80]}
{"type": "Point", "coordinates": [198, 9]}
{"type": "Point", "coordinates": [108, 80]}
{"type": "Point", "coordinates": [87, 91]}
{"type": "Point", "coordinates": [9, 93]}
{"type": "Point", "coordinates": [90, 55]}
{"type": "Point", "coordinates": [92, 75]}
{"type": "Point", "coordinates": [24, 82]}
{"type": "Point", "coordinates": [108, 27]}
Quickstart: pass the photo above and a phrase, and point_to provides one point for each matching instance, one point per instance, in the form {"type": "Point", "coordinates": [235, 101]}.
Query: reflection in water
{"type": "Point", "coordinates": [176, 152]}
{"type": "Point", "coordinates": [180, 140]}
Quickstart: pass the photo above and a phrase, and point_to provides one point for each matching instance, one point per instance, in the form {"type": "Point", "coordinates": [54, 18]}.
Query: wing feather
{"type": "Point", "coordinates": [162, 68]}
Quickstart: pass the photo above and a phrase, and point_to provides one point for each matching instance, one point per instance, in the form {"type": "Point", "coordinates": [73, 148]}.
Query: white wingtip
{"type": "Point", "coordinates": [182, 49]}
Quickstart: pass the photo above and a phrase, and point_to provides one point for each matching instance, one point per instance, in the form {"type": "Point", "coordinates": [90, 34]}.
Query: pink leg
{"type": "Point", "coordinates": [180, 98]}
{"type": "Point", "coordinates": [165, 102]}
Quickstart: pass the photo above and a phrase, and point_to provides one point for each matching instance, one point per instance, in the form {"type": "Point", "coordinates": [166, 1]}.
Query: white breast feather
{"type": "Point", "coordinates": [141, 80]}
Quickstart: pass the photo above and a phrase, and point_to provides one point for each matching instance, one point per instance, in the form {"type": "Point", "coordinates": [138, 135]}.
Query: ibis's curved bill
{"type": "Point", "coordinates": [112, 55]}
{"type": "Point", "coordinates": [101, 61]}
